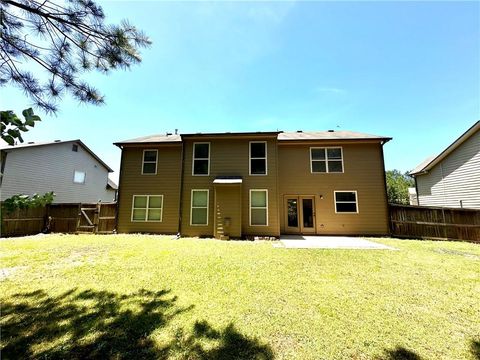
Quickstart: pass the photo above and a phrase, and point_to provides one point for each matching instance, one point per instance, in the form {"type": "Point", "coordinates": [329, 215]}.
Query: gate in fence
{"type": "Point", "coordinates": [93, 218]}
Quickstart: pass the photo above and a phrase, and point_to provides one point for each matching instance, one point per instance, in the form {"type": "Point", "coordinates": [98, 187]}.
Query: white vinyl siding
{"type": "Point", "coordinates": [199, 207]}
{"type": "Point", "coordinates": [147, 208]}
{"type": "Point", "coordinates": [455, 181]}
{"type": "Point", "coordinates": [258, 207]}
{"type": "Point", "coordinates": [41, 169]}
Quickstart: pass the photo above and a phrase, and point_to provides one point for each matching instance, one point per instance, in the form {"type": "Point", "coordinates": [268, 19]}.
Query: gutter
{"type": "Point", "coordinates": [3, 159]}
{"type": "Point", "coordinates": [182, 163]}
{"type": "Point", "coordinates": [385, 189]}
{"type": "Point", "coordinates": [416, 190]}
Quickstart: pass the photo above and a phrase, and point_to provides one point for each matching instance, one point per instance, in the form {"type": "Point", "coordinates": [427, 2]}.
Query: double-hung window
{"type": "Point", "coordinates": [346, 202]}
{"type": "Point", "coordinates": [201, 159]}
{"type": "Point", "coordinates": [149, 163]}
{"type": "Point", "coordinates": [147, 208]}
{"type": "Point", "coordinates": [259, 207]}
{"type": "Point", "coordinates": [258, 158]}
{"type": "Point", "coordinates": [199, 207]}
{"type": "Point", "coordinates": [326, 160]}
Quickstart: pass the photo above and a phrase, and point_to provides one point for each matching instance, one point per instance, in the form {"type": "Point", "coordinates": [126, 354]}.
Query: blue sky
{"type": "Point", "coordinates": [409, 70]}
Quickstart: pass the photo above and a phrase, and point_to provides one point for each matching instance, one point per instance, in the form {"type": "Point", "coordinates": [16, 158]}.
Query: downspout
{"type": "Point", "coordinates": [182, 162]}
{"type": "Point", "coordinates": [385, 188]}
{"type": "Point", "coordinates": [3, 157]}
{"type": "Point", "coordinates": [416, 190]}
{"type": "Point", "coordinates": [444, 202]}
{"type": "Point", "coordinates": [119, 189]}
{"type": "Point", "coordinates": [279, 202]}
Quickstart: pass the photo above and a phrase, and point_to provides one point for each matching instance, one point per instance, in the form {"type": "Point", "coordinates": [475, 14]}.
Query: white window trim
{"type": "Point", "coordinates": [193, 159]}
{"type": "Point", "coordinates": [250, 206]}
{"type": "Point", "coordinates": [150, 162]}
{"type": "Point", "coordinates": [345, 202]}
{"type": "Point", "coordinates": [84, 178]}
{"type": "Point", "coordinates": [326, 160]}
{"type": "Point", "coordinates": [147, 208]}
{"type": "Point", "coordinates": [199, 207]}
{"type": "Point", "coordinates": [257, 158]}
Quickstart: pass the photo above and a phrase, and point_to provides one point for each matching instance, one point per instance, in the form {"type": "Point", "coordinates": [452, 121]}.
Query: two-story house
{"type": "Point", "coordinates": [68, 168]}
{"type": "Point", "coordinates": [452, 178]}
{"type": "Point", "coordinates": [254, 184]}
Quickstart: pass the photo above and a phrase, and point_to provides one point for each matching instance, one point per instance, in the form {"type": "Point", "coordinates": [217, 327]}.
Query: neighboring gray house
{"type": "Point", "coordinates": [452, 179]}
{"type": "Point", "coordinates": [68, 168]}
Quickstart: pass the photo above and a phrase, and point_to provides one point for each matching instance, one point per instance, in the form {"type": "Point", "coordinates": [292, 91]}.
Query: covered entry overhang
{"type": "Point", "coordinates": [228, 207]}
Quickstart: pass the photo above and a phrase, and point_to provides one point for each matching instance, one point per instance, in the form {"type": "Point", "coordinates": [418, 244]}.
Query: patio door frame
{"type": "Point", "coordinates": [300, 229]}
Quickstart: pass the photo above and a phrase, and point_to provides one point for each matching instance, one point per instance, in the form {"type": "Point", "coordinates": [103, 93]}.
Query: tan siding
{"type": "Point", "coordinates": [455, 178]}
{"type": "Point", "coordinates": [363, 172]}
{"type": "Point", "coordinates": [228, 199]}
{"type": "Point", "coordinates": [166, 182]}
{"type": "Point", "coordinates": [229, 157]}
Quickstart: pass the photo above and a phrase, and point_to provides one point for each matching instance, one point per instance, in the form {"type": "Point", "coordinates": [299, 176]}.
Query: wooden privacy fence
{"type": "Point", "coordinates": [435, 223]}
{"type": "Point", "coordinates": [96, 218]}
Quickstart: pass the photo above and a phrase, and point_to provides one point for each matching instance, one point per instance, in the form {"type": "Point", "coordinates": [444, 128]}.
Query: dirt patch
{"type": "Point", "coordinates": [458, 253]}
{"type": "Point", "coordinates": [78, 257]}
{"type": "Point", "coordinates": [8, 272]}
{"type": "Point", "coordinates": [285, 344]}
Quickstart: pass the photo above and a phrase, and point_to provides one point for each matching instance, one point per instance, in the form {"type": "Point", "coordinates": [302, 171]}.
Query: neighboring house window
{"type": "Point", "coordinates": [147, 208]}
{"type": "Point", "coordinates": [149, 164]}
{"type": "Point", "coordinates": [258, 158]}
{"type": "Point", "coordinates": [201, 159]}
{"type": "Point", "coordinates": [346, 202]}
{"type": "Point", "coordinates": [75, 147]}
{"type": "Point", "coordinates": [199, 207]}
{"type": "Point", "coordinates": [258, 207]}
{"type": "Point", "coordinates": [79, 177]}
{"type": "Point", "coordinates": [326, 160]}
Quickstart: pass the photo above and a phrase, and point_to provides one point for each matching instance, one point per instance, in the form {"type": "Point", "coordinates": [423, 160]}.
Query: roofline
{"type": "Point", "coordinates": [224, 134]}
{"type": "Point", "coordinates": [63, 142]}
{"type": "Point", "coordinates": [156, 143]}
{"type": "Point", "coordinates": [459, 141]}
{"type": "Point", "coordinates": [382, 139]}
{"type": "Point", "coordinates": [119, 144]}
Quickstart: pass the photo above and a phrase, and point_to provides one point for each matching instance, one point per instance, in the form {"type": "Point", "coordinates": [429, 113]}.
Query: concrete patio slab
{"type": "Point", "coordinates": [329, 242]}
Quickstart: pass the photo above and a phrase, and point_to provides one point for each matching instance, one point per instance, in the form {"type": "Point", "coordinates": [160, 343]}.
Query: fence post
{"type": "Point", "coordinates": [79, 217]}
{"type": "Point", "coordinates": [46, 222]}
{"type": "Point", "coordinates": [96, 215]}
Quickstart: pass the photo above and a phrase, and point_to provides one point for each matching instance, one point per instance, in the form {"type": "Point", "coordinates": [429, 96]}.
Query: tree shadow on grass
{"type": "Point", "coordinates": [475, 349]}
{"type": "Point", "coordinates": [104, 325]}
{"type": "Point", "coordinates": [230, 344]}
{"type": "Point", "coordinates": [400, 353]}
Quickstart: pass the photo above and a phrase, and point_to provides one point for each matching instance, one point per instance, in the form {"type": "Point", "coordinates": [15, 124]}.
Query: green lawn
{"type": "Point", "coordinates": [133, 297]}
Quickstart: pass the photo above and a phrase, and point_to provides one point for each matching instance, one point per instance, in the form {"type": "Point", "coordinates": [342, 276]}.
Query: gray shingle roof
{"type": "Point", "coordinates": [45, 143]}
{"type": "Point", "coordinates": [159, 138]}
{"type": "Point", "coordinates": [328, 135]}
{"type": "Point", "coordinates": [282, 136]}
{"type": "Point", "coordinates": [430, 162]}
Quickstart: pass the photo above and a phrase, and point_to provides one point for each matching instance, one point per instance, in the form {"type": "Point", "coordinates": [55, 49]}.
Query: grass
{"type": "Point", "coordinates": [150, 297]}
